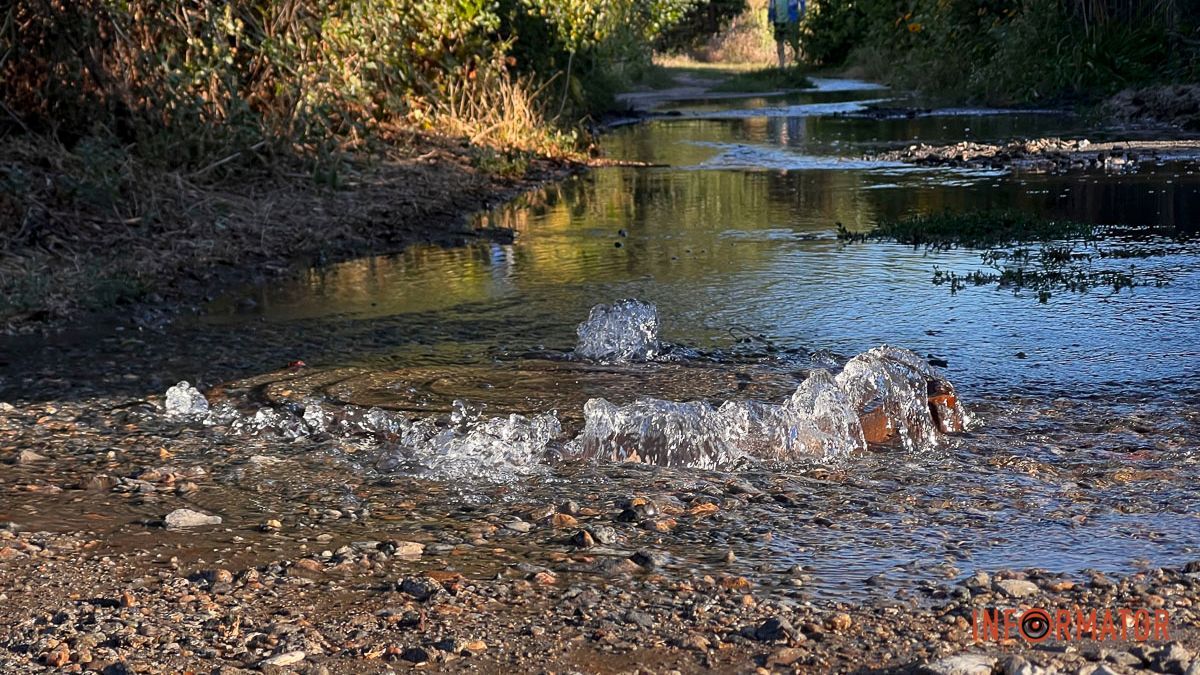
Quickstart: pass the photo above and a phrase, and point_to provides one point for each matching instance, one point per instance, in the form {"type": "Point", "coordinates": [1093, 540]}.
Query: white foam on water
{"type": "Point", "coordinates": [184, 400]}
{"type": "Point", "coordinates": [816, 422]}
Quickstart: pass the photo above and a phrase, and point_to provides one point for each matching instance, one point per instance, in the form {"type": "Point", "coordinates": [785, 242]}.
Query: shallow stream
{"type": "Point", "coordinates": [1085, 452]}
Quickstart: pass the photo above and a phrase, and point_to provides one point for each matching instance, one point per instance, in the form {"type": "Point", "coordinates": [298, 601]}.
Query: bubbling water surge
{"type": "Point", "coordinates": [622, 332]}
{"type": "Point", "coordinates": [886, 396]}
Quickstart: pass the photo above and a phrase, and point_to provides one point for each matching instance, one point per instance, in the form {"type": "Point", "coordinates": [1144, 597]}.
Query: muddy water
{"type": "Point", "coordinates": [1086, 449]}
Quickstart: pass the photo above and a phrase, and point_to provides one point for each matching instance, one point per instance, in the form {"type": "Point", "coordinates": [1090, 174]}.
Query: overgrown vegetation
{"type": "Point", "coordinates": [1010, 51]}
{"type": "Point", "coordinates": [724, 32]}
{"type": "Point", "coordinates": [1068, 256]}
{"type": "Point", "coordinates": [132, 120]}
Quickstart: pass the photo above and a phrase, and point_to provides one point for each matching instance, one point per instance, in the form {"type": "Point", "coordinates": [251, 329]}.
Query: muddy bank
{"type": "Point", "coordinates": [1176, 105]}
{"type": "Point", "coordinates": [60, 261]}
{"type": "Point", "coordinates": [1047, 155]}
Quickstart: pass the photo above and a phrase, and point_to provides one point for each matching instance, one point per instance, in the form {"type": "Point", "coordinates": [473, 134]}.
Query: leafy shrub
{"type": "Point", "coordinates": [194, 82]}
{"type": "Point", "coordinates": [1010, 51]}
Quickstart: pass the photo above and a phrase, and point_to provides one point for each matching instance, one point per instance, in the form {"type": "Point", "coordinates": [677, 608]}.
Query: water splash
{"type": "Point", "coordinates": [269, 421]}
{"type": "Point", "coordinates": [622, 332]}
{"type": "Point", "coordinates": [820, 421]}
{"type": "Point", "coordinates": [884, 396]}
{"type": "Point", "coordinates": [184, 400]}
{"type": "Point", "coordinates": [650, 430]}
{"type": "Point", "coordinates": [901, 398]}
{"type": "Point", "coordinates": [817, 421]}
{"type": "Point", "coordinates": [462, 445]}
{"type": "Point", "coordinates": [473, 447]}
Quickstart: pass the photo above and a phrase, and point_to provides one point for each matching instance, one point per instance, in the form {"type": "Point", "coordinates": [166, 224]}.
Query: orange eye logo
{"type": "Point", "coordinates": [1035, 625]}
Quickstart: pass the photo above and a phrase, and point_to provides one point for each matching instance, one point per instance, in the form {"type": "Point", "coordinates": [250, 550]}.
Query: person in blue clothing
{"type": "Point", "coordinates": [784, 17]}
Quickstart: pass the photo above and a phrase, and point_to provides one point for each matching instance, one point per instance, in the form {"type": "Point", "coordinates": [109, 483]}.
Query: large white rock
{"type": "Point", "coordinates": [182, 518]}
{"type": "Point", "coordinates": [961, 664]}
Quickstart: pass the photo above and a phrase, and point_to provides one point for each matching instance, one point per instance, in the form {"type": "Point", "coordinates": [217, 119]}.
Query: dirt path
{"type": "Point", "coordinates": [688, 85]}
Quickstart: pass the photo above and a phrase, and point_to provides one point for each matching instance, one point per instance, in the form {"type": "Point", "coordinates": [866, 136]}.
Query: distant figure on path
{"type": "Point", "coordinates": [784, 16]}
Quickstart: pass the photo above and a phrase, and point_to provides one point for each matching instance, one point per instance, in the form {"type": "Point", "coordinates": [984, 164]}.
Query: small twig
{"type": "Point", "coordinates": [13, 115]}
{"type": "Point", "coordinates": [226, 160]}
{"type": "Point", "coordinates": [566, 85]}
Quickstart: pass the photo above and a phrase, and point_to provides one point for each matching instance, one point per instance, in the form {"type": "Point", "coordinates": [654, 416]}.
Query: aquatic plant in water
{"type": "Point", "coordinates": [1054, 264]}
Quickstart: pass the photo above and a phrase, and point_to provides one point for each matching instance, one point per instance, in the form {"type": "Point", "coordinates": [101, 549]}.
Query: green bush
{"type": "Point", "coordinates": [1010, 51]}
{"type": "Point", "coordinates": [698, 24]}
{"type": "Point", "coordinates": [193, 82]}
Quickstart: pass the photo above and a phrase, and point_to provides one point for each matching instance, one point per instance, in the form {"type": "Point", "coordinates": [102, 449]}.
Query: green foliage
{"type": "Point", "coordinates": [502, 164]}
{"type": "Point", "coordinates": [701, 22]}
{"type": "Point", "coordinates": [1008, 50]}
{"type": "Point", "coordinates": [195, 82]}
{"type": "Point", "coordinates": [590, 48]}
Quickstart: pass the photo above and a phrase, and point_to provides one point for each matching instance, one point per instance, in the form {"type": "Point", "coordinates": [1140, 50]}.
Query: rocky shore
{"type": "Point", "coordinates": [113, 560]}
{"type": "Point", "coordinates": [1046, 155]}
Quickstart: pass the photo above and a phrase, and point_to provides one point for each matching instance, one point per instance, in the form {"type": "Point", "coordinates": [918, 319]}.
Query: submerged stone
{"type": "Point", "coordinates": [900, 398]}
{"type": "Point", "coordinates": [882, 395]}
{"type": "Point", "coordinates": [184, 518]}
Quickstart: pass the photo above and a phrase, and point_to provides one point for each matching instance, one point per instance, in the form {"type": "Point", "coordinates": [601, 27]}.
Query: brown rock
{"type": "Point", "coordinates": [703, 509]}
{"type": "Point", "coordinates": [660, 524]}
{"type": "Point", "coordinates": [451, 581]}
{"type": "Point", "coordinates": [306, 566]}
{"type": "Point", "coordinates": [562, 520]}
{"type": "Point", "coordinates": [583, 539]}
{"type": "Point", "coordinates": [476, 646]}
{"type": "Point", "coordinates": [840, 622]}
{"type": "Point", "coordinates": [409, 549]}
{"type": "Point", "coordinates": [734, 583]}
{"type": "Point", "coordinates": [786, 656]}
{"type": "Point", "coordinates": [878, 428]}
{"type": "Point", "coordinates": [947, 413]}
{"type": "Point", "coordinates": [57, 657]}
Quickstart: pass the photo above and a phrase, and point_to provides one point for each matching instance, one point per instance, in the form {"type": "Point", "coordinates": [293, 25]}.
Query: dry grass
{"type": "Point", "coordinates": [748, 40]}
{"type": "Point", "coordinates": [499, 110]}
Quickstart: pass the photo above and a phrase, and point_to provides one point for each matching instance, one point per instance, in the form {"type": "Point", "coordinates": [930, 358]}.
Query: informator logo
{"type": "Point", "coordinates": [1037, 624]}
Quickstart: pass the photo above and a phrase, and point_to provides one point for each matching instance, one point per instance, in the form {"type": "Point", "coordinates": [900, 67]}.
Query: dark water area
{"type": "Point", "coordinates": [1086, 444]}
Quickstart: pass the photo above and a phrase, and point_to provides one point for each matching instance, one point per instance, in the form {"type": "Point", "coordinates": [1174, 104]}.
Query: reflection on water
{"type": "Point", "coordinates": [726, 251]}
